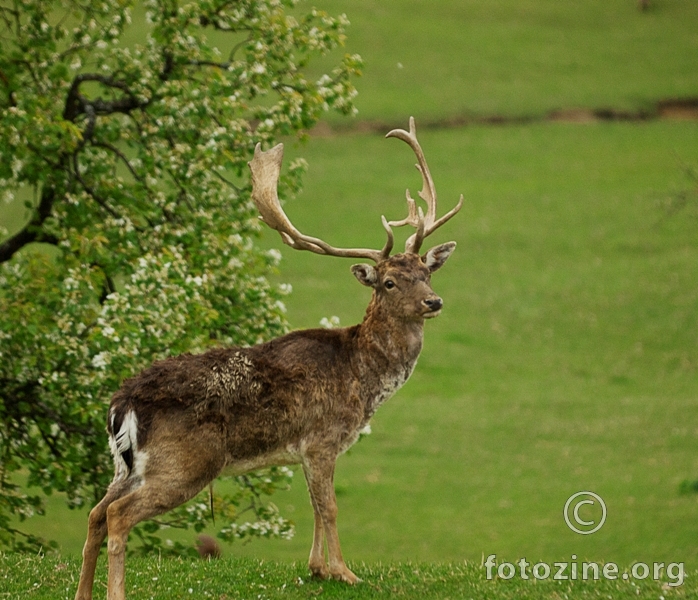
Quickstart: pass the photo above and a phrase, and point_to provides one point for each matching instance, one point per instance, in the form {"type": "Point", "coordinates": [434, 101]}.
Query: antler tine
{"type": "Point", "coordinates": [428, 193]}
{"type": "Point", "coordinates": [425, 224]}
{"type": "Point", "coordinates": [412, 217]}
{"type": "Point", "coordinates": [385, 253]}
{"type": "Point", "coordinates": [265, 168]}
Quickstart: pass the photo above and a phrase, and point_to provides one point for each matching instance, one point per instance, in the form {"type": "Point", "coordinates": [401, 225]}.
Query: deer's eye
{"type": "Point", "coordinates": [389, 284]}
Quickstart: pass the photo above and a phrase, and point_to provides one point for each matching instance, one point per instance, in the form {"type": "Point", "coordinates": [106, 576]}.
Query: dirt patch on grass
{"type": "Point", "coordinates": [684, 109]}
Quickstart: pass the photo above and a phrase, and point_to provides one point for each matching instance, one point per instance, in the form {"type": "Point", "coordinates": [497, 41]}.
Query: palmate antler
{"type": "Point", "coordinates": [266, 167]}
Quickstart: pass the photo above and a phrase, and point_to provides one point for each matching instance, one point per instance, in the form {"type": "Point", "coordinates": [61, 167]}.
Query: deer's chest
{"type": "Point", "coordinates": [388, 384]}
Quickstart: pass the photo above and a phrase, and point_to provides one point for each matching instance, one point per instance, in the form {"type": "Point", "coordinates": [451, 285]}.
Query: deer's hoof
{"type": "Point", "coordinates": [319, 571]}
{"type": "Point", "coordinates": [346, 576]}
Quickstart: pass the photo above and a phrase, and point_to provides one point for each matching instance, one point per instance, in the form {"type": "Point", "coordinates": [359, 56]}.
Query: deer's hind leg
{"type": "Point", "coordinates": [177, 463]}
{"type": "Point", "coordinates": [96, 532]}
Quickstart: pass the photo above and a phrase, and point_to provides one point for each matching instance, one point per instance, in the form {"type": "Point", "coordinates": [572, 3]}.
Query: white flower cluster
{"type": "Point", "coordinates": [331, 323]}
{"type": "Point", "coordinates": [272, 525]}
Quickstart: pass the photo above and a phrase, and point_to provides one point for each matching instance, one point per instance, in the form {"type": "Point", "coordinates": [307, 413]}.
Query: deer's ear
{"type": "Point", "coordinates": [438, 255]}
{"type": "Point", "coordinates": [366, 274]}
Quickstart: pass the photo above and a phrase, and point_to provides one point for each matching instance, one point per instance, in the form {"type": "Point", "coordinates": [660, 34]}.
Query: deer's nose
{"type": "Point", "coordinates": [434, 304]}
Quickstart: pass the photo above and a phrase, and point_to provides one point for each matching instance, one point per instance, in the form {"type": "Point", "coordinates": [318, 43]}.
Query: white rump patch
{"type": "Point", "coordinates": [123, 440]}
{"type": "Point", "coordinates": [140, 459]}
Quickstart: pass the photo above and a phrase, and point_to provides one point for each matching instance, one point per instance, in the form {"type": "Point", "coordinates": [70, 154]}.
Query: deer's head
{"type": "Point", "coordinates": [401, 283]}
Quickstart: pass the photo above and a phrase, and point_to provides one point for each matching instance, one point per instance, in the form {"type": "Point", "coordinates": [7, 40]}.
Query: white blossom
{"type": "Point", "coordinates": [331, 323]}
{"type": "Point", "coordinates": [101, 360]}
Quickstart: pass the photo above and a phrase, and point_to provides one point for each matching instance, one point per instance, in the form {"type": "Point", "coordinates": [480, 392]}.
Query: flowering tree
{"type": "Point", "coordinates": [128, 129]}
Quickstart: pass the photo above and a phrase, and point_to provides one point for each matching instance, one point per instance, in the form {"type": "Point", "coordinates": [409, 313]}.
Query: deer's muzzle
{"type": "Point", "coordinates": [433, 306]}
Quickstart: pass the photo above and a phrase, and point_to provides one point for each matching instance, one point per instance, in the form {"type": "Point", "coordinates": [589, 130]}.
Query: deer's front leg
{"type": "Point", "coordinates": [316, 562]}
{"type": "Point", "coordinates": [319, 473]}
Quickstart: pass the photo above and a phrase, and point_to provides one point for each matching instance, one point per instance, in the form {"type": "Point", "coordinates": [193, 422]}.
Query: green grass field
{"type": "Point", "coordinates": [566, 357]}
{"type": "Point", "coordinates": [518, 57]}
{"type": "Point", "coordinates": [50, 578]}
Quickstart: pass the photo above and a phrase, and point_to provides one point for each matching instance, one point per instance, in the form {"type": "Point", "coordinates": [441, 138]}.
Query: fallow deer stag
{"type": "Point", "coordinates": [301, 398]}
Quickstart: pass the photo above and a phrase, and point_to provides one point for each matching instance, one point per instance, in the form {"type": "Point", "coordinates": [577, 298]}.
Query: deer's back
{"type": "Point", "coordinates": [263, 398]}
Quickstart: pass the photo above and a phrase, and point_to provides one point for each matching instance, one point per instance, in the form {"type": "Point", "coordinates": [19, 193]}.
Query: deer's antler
{"type": "Point", "coordinates": [424, 224]}
{"type": "Point", "coordinates": [265, 168]}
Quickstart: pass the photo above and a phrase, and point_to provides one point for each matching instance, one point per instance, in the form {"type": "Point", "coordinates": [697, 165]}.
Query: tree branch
{"type": "Point", "coordinates": [76, 104]}
{"type": "Point", "coordinates": [91, 192]}
{"type": "Point", "coordinates": [32, 231]}
{"type": "Point", "coordinates": [226, 181]}
{"type": "Point", "coordinates": [123, 158]}
{"type": "Point", "coordinates": [209, 63]}
{"type": "Point", "coordinates": [10, 94]}
{"type": "Point", "coordinates": [27, 392]}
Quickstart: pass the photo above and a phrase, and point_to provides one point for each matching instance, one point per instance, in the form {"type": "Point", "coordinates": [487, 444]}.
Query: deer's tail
{"type": "Point", "coordinates": [122, 427]}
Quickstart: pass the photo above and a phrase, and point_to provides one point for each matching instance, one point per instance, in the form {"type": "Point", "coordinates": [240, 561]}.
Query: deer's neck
{"type": "Point", "coordinates": [388, 351]}
{"type": "Point", "coordinates": [387, 340]}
